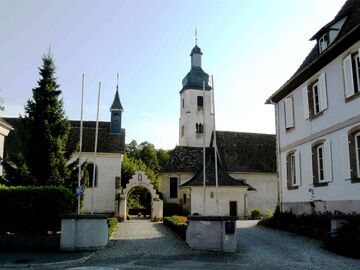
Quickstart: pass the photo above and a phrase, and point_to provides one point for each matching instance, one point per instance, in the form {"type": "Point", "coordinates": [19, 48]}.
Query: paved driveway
{"type": "Point", "coordinates": [146, 245]}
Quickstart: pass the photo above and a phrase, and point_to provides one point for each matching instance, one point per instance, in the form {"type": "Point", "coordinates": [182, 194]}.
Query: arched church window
{"type": "Point", "coordinates": [197, 128]}
{"type": "Point", "coordinates": [90, 170]}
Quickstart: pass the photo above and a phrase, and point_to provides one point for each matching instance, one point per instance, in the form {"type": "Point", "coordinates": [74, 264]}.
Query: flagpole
{"type": "Point", "coordinates": [215, 150]}
{"type": "Point", "coordinates": [80, 147]}
{"type": "Point", "coordinates": [95, 151]}
{"type": "Point", "coordinates": [204, 152]}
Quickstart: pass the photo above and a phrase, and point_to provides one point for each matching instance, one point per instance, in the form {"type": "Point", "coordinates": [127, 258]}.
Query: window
{"type": "Point", "coordinates": [182, 131]}
{"type": "Point", "coordinates": [173, 187]}
{"type": "Point", "coordinates": [353, 145]}
{"type": "Point", "coordinates": [200, 102]}
{"type": "Point", "coordinates": [199, 128]}
{"type": "Point", "coordinates": [184, 198]}
{"type": "Point", "coordinates": [357, 155]}
{"type": "Point", "coordinates": [293, 169]}
{"type": "Point", "coordinates": [315, 97]}
{"type": "Point", "coordinates": [323, 43]}
{"type": "Point", "coordinates": [351, 67]}
{"type": "Point", "coordinates": [289, 113]}
{"type": "Point", "coordinates": [90, 170]}
{"type": "Point", "coordinates": [183, 103]}
{"type": "Point", "coordinates": [321, 162]}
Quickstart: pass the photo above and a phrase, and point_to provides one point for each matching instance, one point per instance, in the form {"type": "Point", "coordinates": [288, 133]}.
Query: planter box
{"type": "Point", "coordinates": [83, 232]}
{"type": "Point", "coordinates": [212, 233]}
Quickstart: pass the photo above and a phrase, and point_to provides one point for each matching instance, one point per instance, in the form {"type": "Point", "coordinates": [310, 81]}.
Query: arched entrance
{"type": "Point", "coordinates": [140, 179]}
{"type": "Point", "coordinates": [138, 202]}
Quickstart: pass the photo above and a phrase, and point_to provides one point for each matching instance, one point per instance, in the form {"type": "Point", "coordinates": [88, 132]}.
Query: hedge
{"type": "Point", "coordinates": [112, 223]}
{"type": "Point", "coordinates": [178, 224]}
{"type": "Point", "coordinates": [34, 210]}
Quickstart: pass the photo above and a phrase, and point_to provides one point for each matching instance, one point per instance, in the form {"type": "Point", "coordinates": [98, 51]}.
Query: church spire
{"type": "Point", "coordinates": [116, 110]}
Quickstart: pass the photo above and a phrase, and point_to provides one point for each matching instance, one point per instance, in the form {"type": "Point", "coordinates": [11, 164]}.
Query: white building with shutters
{"type": "Point", "coordinates": [318, 122]}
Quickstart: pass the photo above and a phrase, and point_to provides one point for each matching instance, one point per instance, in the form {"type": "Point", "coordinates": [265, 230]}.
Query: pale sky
{"type": "Point", "coordinates": [250, 46]}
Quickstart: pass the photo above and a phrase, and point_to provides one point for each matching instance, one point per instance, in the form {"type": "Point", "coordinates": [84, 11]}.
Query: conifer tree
{"type": "Point", "coordinates": [42, 136]}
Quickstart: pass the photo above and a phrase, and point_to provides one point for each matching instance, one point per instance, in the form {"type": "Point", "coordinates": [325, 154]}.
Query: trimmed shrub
{"type": "Point", "coordinates": [112, 223]}
{"type": "Point", "coordinates": [256, 213]}
{"type": "Point", "coordinates": [178, 224]}
{"type": "Point", "coordinates": [171, 209]}
{"type": "Point", "coordinates": [34, 210]}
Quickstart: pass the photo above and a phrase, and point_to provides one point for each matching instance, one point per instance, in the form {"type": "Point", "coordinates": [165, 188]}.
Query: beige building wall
{"type": "Point", "coordinates": [164, 184]}
{"type": "Point", "coordinates": [266, 194]}
{"type": "Point", "coordinates": [264, 198]}
{"type": "Point", "coordinates": [226, 195]}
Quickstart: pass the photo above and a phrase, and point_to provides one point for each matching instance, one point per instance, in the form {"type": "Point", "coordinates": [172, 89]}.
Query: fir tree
{"type": "Point", "coordinates": [42, 137]}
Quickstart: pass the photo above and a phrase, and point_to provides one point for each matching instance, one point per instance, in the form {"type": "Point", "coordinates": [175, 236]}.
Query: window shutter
{"type": "Point", "coordinates": [345, 156]}
{"type": "Point", "coordinates": [306, 102]}
{"type": "Point", "coordinates": [327, 161]}
{"type": "Point", "coordinates": [322, 92]}
{"type": "Point", "coordinates": [297, 167]}
{"type": "Point", "coordinates": [289, 117]}
{"type": "Point", "coordinates": [348, 77]}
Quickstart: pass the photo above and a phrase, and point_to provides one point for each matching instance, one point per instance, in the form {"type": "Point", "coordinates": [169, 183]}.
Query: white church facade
{"type": "Point", "coordinates": [246, 161]}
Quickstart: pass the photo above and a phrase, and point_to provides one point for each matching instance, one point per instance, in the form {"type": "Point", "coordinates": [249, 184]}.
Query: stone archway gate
{"type": "Point", "coordinates": [140, 179]}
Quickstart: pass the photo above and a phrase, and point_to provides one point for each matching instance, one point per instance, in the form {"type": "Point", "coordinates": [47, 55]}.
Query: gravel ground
{"type": "Point", "coordinates": [143, 238]}
{"type": "Point", "coordinates": [264, 246]}
{"type": "Point", "coordinates": [140, 244]}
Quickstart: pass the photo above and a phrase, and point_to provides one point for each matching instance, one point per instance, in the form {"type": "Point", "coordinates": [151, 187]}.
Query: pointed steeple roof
{"type": "Point", "coordinates": [116, 105]}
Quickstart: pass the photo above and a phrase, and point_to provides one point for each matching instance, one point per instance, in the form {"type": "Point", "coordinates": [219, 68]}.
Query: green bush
{"type": "Point", "coordinates": [256, 213]}
{"type": "Point", "coordinates": [178, 224]}
{"type": "Point", "coordinates": [171, 209]}
{"type": "Point", "coordinates": [346, 241]}
{"type": "Point", "coordinates": [34, 210]}
{"type": "Point", "coordinates": [112, 223]}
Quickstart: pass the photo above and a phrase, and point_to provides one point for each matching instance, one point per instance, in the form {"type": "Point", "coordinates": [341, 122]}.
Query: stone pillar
{"type": "Point", "coordinates": [157, 208]}
{"type": "Point", "coordinates": [122, 210]}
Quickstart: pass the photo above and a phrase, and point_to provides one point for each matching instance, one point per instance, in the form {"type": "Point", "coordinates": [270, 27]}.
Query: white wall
{"type": "Point", "coordinates": [331, 127]}
{"type": "Point", "coordinates": [109, 166]}
{"type": "Point", "coordinates": [226, 194]}
{"type": "Point", "coordinates": [338, 109]}
{"type": "Point", "coordinates": [338, 189]}
{"type": "Point", "coordinates": [265, 196]}
{"type": "Point", "coordinates": [190, 115]}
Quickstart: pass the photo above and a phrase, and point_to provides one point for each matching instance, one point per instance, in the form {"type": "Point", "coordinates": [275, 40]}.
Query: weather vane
{"type": "Point", "coordinates": [117, 81]}
{"type": "Point", "coordinates": [196, 36]}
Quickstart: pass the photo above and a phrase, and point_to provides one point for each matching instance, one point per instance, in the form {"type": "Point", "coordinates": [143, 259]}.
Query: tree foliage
{"type": "Point", "coordinates": [143, 157]}
{"type": "Point", "coordinates": [42, 135]}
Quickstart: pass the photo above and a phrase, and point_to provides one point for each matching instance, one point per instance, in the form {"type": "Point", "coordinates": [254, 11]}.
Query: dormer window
{"type": "Point", "coordinates": [323, 43]}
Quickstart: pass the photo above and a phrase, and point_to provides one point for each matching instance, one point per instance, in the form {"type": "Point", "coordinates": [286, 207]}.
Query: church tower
{"type": "Point", "coordinates": [116, 110]}
{"type": "Point", "coordinates": [193, 105]}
